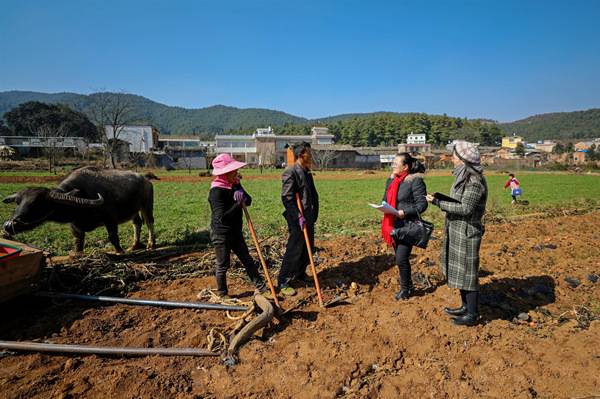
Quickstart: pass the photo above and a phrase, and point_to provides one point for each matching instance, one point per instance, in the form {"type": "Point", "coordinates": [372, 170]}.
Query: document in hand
{"type": "Point", "coordinates": [443, 197]}
{"type": "Point", "coordinates": [385, 208]}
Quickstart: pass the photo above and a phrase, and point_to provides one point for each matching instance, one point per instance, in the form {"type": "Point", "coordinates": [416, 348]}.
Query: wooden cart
{"type": "Point", "coordinates": [20, 271]}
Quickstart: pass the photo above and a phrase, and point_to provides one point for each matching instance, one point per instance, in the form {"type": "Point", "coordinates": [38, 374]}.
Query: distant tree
{"type": "Point", "coordinates": [25, 120]}
{"type": "Point", "coordinates": [323, 158]}
{"type": "Point", "coordinates": [51, 134]}
{"type": "Point", "coordinates": [570, 148]}
{"type": "Point", "coordinates": [115, 110]}
{"type": "Point", "coordinates": [520, 149]}
{"type": "Point", "coordinates": [490, 134]}
{"type": "Point", "coordinates": [558, 149]}
{"type": "Point", "coordinates": [469, 133]}
{"type": "Point", "coordinates": [4, 130]}
{"type": "Point", "coordinates": [593, 153]}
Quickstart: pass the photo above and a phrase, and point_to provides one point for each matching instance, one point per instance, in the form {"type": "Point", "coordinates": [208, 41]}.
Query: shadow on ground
{"type": "Point", "coordinates": [505, 298]}
{"type": "Point", "coordinates": [365, 271]}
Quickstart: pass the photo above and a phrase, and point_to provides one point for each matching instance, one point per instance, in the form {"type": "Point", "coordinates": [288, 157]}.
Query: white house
{"type": "Point", "coordinates": [140, 138]}
{"type": "Point", "coordinates": [416, 138]}
{"type": "Point", "coordinates": [264, 147]}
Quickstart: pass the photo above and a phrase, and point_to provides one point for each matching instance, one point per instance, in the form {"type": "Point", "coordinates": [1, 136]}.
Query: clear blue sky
{"type": "Point", "coordinates": [496, 59]}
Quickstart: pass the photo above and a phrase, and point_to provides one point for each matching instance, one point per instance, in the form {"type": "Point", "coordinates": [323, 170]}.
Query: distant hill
{"type": "Point", "coordinates": [169, 120]}
{"type": "Point", "coordinates": [341, 117]}
{"type": "Point", "coordinates": [221, 118]}
{"type": "Point", "coordinates": [559, 125]}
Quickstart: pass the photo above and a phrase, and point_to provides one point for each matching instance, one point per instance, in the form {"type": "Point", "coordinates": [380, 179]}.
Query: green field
{"type": "Point", "coordinates": [182, 214]}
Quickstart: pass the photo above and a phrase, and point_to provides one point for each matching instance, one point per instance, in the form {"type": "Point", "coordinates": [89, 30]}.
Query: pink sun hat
{"type": "Point", "coordinates": [223, 163]}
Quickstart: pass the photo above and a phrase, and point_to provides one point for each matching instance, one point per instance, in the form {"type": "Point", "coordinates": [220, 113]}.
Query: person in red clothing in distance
{"type": "Point", "coordinates": [515, 187]}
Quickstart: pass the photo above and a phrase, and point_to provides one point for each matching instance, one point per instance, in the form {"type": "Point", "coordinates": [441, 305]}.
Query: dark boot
{"type": "Point", "coordinates": [469, 319]}
{"type": "Point", "coordinates": [402, 294]}
{"type": "Point", "coordinates": [460, 311]}
{"type": "Point", "coordinates": [259, 283]}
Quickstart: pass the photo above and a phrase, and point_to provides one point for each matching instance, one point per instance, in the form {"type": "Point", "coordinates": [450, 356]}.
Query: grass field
{"type": "Point", "coordinates": [182, 214]}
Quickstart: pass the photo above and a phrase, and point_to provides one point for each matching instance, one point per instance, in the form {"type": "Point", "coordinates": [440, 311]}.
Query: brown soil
{"type": "Point", "coordinates": [370, 346]}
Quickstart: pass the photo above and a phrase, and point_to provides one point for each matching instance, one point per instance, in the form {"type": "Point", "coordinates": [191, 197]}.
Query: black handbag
{"type": "Point", "coordinates": [413, 232]}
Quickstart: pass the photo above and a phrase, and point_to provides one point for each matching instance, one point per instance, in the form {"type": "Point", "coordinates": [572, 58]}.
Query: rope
{"type": "Point", "coordinates": [208, 295]}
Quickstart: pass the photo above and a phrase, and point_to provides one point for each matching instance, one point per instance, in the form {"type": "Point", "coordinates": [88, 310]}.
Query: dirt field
{"type": "Point", "coordinates": [370, 346]}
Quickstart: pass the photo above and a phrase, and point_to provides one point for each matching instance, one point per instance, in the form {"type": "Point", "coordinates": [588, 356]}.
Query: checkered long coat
{"type": "Point", "coordinates": [463, 232]}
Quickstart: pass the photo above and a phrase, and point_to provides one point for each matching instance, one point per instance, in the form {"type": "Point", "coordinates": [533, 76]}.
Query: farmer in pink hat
{"type": "Point", "coordinates": [226, 196]}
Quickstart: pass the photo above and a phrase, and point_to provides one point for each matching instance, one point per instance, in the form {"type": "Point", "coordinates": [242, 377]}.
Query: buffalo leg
{"type": "Point", "coordinates": [137, 230]}
{"type": "Point", "coordinates": [149, 220]}
{"type": "Point", "coordinates": [113, 237]}
{"type": "Point", "coordinates": [79, 239]}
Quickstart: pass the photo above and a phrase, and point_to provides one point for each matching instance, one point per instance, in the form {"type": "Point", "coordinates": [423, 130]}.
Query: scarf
{"type": "Point", "coordinates": [391, 197]}
{"type": "Point", "coordinates": [221, 182]}
{"type": "Point", "coordinates": [463, 172]}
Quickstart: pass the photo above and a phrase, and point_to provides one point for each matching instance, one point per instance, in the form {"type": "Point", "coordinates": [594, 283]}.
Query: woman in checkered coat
{"type": "Point", "coordinates": [463, 231]}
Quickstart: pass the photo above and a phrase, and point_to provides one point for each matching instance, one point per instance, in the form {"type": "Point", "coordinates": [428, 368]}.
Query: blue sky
{"type": "Point", "coordinates": [503, 60]}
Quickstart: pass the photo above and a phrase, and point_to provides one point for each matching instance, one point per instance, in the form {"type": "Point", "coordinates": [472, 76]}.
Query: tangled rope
{"type": "Point", "coordinates": [208, 295]}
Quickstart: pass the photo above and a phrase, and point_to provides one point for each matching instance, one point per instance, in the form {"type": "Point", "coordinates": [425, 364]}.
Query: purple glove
{"type": "Point", "coordinates": [302, 222]}
{"type": "Point", "coordinates": [238, 196]}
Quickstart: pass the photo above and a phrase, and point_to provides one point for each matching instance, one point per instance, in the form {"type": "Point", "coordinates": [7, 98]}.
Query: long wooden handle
{"type": "Point", "coordinates": [310, 255]}
{"type": "Point", "coordinates": [260, 257]}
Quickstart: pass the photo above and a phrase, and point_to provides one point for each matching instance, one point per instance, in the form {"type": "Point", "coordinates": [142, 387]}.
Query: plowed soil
{"type": "Point", "coordinates": [367, 346]}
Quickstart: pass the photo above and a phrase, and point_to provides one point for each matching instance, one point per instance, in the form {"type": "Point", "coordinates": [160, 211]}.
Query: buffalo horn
{"type": "Point", "coordinates": [71, 200]}
{"type": "Point", "coordinates": [10, 198]}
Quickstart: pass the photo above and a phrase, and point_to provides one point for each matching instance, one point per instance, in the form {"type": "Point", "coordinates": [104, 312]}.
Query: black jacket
{"type": "Point", "coordinates": [411, 196]}
{"type": "Point", "coordinates": [226, 214]}
{"type": "Point", "coordinates": [294, 180]}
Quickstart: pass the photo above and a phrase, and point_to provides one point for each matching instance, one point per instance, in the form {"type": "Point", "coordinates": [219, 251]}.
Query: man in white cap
{"type": "Point", "coordinates": [226, 196]}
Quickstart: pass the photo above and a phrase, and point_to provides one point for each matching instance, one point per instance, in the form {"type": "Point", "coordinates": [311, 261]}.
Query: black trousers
{"type": "Point", "coordinates": [223, 246]}
{"type": "Point", "coordinates": [296, 257]}
{"type": "Point", "coordinates": [403, 263]}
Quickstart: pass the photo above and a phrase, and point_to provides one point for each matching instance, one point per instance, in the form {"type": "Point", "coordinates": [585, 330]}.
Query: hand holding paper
{"type": "Point", "coordinates": [385, 208]}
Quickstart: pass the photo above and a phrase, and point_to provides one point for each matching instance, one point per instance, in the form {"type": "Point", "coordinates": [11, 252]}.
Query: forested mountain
{"type": "Point", "coordinates": [559, 125]}
{"type": "Point", "coordinates": [385, 128]}
{"type": "Point", "coordinates": [377, 128]}
{"type": "Point", "coordinates": [169, 120]}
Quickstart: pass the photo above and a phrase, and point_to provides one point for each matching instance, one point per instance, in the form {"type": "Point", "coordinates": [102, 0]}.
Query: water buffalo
{"type": "Point", "coordinates": [88, 198]}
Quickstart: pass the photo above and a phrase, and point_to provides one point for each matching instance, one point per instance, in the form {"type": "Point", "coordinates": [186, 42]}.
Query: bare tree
{"type": "Point", "coordinates": [51, 139]}
{"type": "Point", "coordinates": [186, 158]}
{"type": "Point", "coordinates": [111, 112]}
{"type": "Point", "coordinates": [323, 158]}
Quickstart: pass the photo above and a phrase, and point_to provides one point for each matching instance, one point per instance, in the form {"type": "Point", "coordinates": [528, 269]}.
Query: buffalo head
{"type": "Point", "coordinates": [38, 204]}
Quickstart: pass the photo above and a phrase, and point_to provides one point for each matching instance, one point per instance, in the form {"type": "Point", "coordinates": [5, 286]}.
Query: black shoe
{"type": "Point", "coordinates": [468, 319]}
{"type": "Point", "coordinates": [259, 283]}
{"type": "Point", "coordinates": [461, 311]}
{"type": "Point", "coordinates": [402, 294]}
{"type": "Point", "coordinates": [301, 280]}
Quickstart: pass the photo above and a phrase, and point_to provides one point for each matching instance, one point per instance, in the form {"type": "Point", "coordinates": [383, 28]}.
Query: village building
{"type": "Point", "coordinates": [185, 152]}
{"type": "Point", "coordinates": [512, 141]}
{"type": "Point", "coordinates": [348, 157]}
{"type": "Point", "coordinates": [34, 145]}
{"type": "Point", "coordinates": [545, 146]}
{"type": "Point", "coordinates": [415, 149]}
{"type": "Point", "coordinates": [580, 156]}
{"type": "Point", "coordinates": [186, 142]}
{"type": "Point", "coordinates": [416, 138]}
{"type": "Point", "coordinates": [416, 144]}
{"type": "Point", "coordinates": [141, 138]}
{"type": "Point", "coordinates": [266, 148]}
{"type": "Point", "coordinates": [585, 145]}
